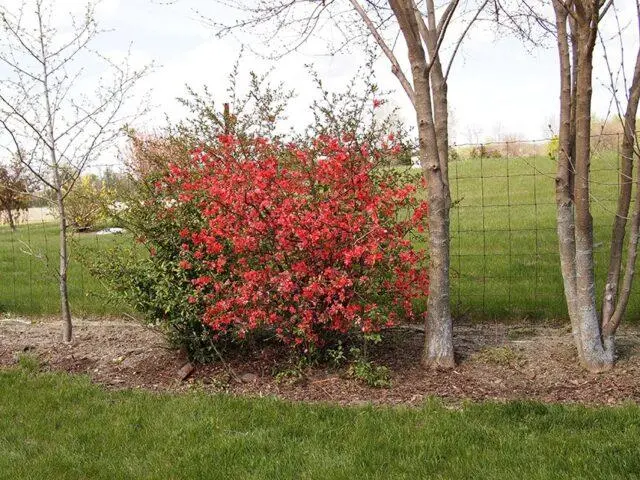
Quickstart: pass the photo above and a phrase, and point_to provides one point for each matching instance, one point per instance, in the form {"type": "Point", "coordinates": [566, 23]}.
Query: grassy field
{"type": "Point", "coordinates": [58, 426]}
{"type": "Point", "coordinates": [28, 264]}
{"type": "Point", "coordinates": [504, 260]}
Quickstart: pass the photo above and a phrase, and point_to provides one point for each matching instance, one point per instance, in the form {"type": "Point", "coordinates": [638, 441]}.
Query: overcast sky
{"type": "Point", "coordinates": [496, 87]}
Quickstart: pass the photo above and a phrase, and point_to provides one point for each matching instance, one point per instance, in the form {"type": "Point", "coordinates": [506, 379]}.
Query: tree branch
{"type": "Point", "coordinates": [395, 66]}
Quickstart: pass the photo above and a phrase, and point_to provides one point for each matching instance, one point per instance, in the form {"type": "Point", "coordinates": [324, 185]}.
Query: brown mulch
{"type": "Point", "coordinates": [495, 362]}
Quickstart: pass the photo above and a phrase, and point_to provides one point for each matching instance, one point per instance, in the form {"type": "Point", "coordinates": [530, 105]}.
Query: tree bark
{"type": "Point", "coordinates": [67, 325]}
{"type": "Point", "coordinates": [615, 297]}
{"type": "Point", "coordinates": [594, 356]}
{"type": "Point", "coordinates": [624, 201]}
{"type": "Point", "coordinates": [593, 330]}
{"type": "Point", "coordinates": [565, 173]}
{"type": "Point", "coordinates": [438, 349]}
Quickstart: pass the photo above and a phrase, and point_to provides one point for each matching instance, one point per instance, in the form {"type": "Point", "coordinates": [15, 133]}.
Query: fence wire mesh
{"type": "Point", "coordinates": [29, 259]}
{"type": "Point", "coordinates": [504, 248]}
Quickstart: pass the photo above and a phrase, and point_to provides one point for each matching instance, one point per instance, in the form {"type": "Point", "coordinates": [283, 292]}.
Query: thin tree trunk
{"type": "Point", "coordinates": [594, 356]}
{"type": "Point", "coordinates": [624, 198]}
{"type": "Point", "coordinates": [65, 311]}
{"type": "Point", "coordinates": [609, 328]}
{"type": "Point", "coordinates": [440, 99]}
{"type": "Point", "coordinates": [12, 222]}
{"type": "Point", "coordinates": [564, 176]}
{"type": "Point", "coordinates": [67, 326]}
{"type": "Point", "coordinates": [616, 298]}
{"type": "Point", "coordinates": [575, 224]}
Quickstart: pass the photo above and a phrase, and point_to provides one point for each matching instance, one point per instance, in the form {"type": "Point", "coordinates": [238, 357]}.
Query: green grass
{"type": "Point", "coordinates": [28, 282]}
{"type": "Point", "coordinates": [58, 426]}
{"type": "Point", "coordinates": [504, 245]}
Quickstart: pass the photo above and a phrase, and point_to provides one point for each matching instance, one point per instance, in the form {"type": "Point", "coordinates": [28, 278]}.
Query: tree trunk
{"type": "Point", "coordinates": [624, 199]}
{"type": "Point", "coordinates": [594, 334]}
{"type": "Point", "coordinates": [594, 356]}
{"type": "Point", "coordinates": [438, 348]}
{"type": "Point", "coordinates": [11, 220]}
{"type": "Point", "coordinates": [564, 176]}
{"type": "Point", "coordinates": [439, 343]}
{"type": "Point", "coordinates": [67, 326]}
{"type": "Point", "coordinates": [616, 297]}
{"type": "Point", "coordinates": [65, 311]}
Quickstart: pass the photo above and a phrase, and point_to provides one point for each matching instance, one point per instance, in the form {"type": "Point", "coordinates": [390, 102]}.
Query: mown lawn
{"type": "Point", "coordinates": [62, 427]}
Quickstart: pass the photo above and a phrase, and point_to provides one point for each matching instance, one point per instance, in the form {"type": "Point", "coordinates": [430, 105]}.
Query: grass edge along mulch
{"type": "Point", "coordinates": [54, 425]}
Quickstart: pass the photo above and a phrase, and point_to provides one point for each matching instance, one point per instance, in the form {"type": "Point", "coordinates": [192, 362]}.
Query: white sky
{"type": "Point", "coordinates": [496, 87]}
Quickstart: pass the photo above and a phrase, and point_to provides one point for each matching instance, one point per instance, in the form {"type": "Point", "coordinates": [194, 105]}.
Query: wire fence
{"type": "Point", "coordinates": [29, 260]}
{"type": "Point", "coordinates": [504, 249]}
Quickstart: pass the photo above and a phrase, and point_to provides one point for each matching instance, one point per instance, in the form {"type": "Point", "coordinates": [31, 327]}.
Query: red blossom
{"type": "Point", "coordinates": [304, 240]}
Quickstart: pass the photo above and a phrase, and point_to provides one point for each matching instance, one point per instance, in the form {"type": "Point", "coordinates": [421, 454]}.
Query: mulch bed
{"type": "Point", "coordinates": [495, 362]}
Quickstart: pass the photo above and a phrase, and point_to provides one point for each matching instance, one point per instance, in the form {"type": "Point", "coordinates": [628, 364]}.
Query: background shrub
{"type": "Point", "coordinates": [84, 204]}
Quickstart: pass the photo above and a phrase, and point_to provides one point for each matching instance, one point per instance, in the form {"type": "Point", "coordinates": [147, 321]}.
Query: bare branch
{"type": "Point", "coordinates": [431, 36]}
{"type": "Point", "coordinates": [21, 157]}
{"type": "Point", "coordinates": [39, 132]}
{"type": "Point", "coordinates": [395, 66]}
{"type": "Point", "coordinates": [18, 34]}
{"type": "Point", "coordinates": [462, 37]}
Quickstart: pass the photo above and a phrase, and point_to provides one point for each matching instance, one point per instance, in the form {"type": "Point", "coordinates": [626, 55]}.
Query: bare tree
{"type": "Point", "coordinates": [424, 28]}
{"type": "Point", "coordinates": [52, 113]}
{"type": "Point", "coordinates": [577, 24]}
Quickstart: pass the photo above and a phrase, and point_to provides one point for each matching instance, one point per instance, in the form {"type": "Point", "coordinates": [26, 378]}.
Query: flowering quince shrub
{"type": "Point", "coordinates": [303, 241]}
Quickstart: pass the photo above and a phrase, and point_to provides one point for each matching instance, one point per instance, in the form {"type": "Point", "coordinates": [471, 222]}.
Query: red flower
{"type": "Point", "coordinates": [301, 239]}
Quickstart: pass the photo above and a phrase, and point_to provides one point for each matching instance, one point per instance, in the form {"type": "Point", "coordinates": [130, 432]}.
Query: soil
{"type": "Point", "coordinates": [495, 362]}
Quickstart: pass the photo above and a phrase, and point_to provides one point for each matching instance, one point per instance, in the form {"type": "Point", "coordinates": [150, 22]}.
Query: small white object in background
{"type": "Point", "coordinates": [118, 207]}
{"type": "Point", "coordinates": [111, 231]}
